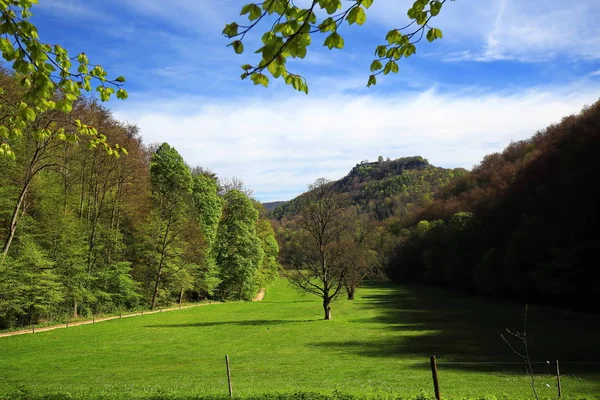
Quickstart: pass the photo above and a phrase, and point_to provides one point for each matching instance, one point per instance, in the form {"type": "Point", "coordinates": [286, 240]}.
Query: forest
{"type": "Point", "coordinates": [86, 232]}
{"type": "Point", "coordinates": [522, 225]}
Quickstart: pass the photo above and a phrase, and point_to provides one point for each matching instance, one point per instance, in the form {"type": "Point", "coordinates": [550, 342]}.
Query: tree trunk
{"type": "Point", "coordinates": [181, 296]}
{"type": "Point", "coordinates": [350, 290]}
{"type": "Point", "coordinates": [74, 308]}
{"type": "Point", "coordinates": [327, 309]}
{"type": "Point", "coordinates": [157, 281]}
{"type": "Point", "coordinates": [163, 254]}
{"type": "Point", "coordinates": [12, 227]}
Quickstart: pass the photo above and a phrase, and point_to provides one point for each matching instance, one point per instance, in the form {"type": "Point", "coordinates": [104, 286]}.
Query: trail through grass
{"type": "Point", "coordinates": [377, 346]}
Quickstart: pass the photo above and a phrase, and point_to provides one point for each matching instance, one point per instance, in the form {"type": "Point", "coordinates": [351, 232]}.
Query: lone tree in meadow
{"type": "Point", "coordinates": [318, 255]}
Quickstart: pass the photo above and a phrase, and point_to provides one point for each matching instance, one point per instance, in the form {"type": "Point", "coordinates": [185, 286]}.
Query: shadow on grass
{"type": "Point", "coordinates": [464, 332]}
{"type": "Point", "coordinates": [255, 322]}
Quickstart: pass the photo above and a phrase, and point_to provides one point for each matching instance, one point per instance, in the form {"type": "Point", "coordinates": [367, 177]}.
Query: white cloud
{"type": "Point", "coordinates": [519, 30]}
{"type": "Point", "coordinates": [278, 146]}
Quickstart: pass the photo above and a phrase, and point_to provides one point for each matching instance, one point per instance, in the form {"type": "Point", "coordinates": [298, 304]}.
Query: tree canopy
{"type": "Point", "coordinates": [51, 80]}
{"type": "Point", "coordinates": [291, 30]}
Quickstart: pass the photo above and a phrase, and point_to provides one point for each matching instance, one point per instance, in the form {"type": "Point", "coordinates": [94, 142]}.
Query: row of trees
{"type": "Point", "coordinates": [83, 231]}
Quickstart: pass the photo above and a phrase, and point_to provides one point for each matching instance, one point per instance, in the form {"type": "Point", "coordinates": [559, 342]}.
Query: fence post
{"type": "Point", "coordinates": [558, 379]}
{"type": "Point", "coordinates": [228, 376]}
{"type": "Point", "coordinates": [434, 374]}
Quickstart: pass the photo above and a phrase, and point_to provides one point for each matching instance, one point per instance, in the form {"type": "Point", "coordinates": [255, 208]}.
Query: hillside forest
{"type": "Point", "coordinates": [84, 232]}
{"type": "Point", "coordinates": [522, 225]}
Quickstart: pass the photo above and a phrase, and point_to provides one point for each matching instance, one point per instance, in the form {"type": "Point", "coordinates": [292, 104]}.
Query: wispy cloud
{"type": "Point", "coordinates": [278, 147]}
{"type": "Point", "coordinates": [500, 30]}
{"type": "Point", "coordinates": [185, 89]}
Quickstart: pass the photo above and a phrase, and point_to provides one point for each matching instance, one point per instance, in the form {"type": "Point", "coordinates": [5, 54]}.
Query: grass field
{"type": "Point", "coordinates": [377, 346]}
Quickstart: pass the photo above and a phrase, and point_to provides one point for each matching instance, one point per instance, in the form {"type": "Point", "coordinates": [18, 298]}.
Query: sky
{"type": "Point", "coordinates": [504, 70]}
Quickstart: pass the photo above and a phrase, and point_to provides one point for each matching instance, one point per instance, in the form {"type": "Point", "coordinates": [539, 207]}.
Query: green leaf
{"type": "Point", "coordinates": [328, 24]}
{"type": "Point", "coordinates": [255, 12]}
{"type": "Point", "coordinates": [334, 40]}
{"type": "Point", "coordinates": [380, 51]}
{"type": "Point", "coordinates": [120, 79]}
{"type": "Point", "coordinates": [390, 66]}
{"type": "Point", "coordinates": [376, 65]}
{"type": "Point", "coordinates": [372, 80]}
{"type": "Point", "coordinates": [231, 30]}
{"type": "Point", "coordinates": [238, 46]}
{"type": "Point", "coordinates": [260, 79]}
{"type": "Point", "coordinates": [435, 8]}
{"type": "Point", "coordinates": [122, 94]}
{"type": "Point", "coordinates": [356, 15]}
{"type": "Point", "coordinates": [409, 50]}
{"type": "Point", "coordinates": [367, 3]}
{"type": "Point", "coordinates": [83, 59]}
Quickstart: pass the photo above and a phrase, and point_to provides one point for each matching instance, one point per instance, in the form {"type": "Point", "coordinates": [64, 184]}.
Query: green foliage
{"type": "Point", "coordinates": [268, 270]}
{"type": "Point", "coordinates": [208, 206]}
{"type": "Point", "coordinates": [87, 233]}
{"type": "Point", "coordinates": [507, 232]}
{"type": "Point", "coordinates": [239, 253]}
{"type": "Point", "coordinates": [293, 28]}
{"type": "Point", "coordinates": [29, 286]}
{"type": "Point", "coordinates": [170, 177]}
{"type": "Point", "coordinates": [116, 289]}
{"type": "Point", "coordinates": [43, 70]}
{"type": "Point", "coordinates": [386, 188]}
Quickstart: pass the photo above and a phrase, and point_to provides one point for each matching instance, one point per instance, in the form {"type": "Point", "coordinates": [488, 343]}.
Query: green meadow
{"type": "Point", "coordinates": [377, 346]}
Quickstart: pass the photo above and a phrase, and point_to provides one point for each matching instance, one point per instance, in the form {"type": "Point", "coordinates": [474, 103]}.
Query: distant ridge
{"type": "Point", "coordinates": [384, 187]}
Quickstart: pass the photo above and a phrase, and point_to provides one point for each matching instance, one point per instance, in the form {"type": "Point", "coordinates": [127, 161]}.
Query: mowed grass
{"type": "Point", "coordinates": [377, 346]}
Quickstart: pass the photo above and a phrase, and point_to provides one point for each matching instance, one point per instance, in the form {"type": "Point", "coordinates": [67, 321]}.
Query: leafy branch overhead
{"type": "Point", "coordinates": [50, 80]}
{"type": "Point", "coordinates": [293, 28]}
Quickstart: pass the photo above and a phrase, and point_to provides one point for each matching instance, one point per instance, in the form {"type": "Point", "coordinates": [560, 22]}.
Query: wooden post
{"type": "Point", "coordinates": [558, 379]}
{"type": "Point", "coordinates": [228, 376]}
{"type": "Point", "coordinates": [434, 374]}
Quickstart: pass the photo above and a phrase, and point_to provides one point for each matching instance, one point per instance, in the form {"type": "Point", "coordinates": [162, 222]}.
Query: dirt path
{"type": "Point", "coordinates": [93, 321]}
{"type": "Point", "coordinates": [260, 295]}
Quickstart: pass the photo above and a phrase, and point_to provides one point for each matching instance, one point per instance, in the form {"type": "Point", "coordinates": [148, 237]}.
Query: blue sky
{"type": "Point", "coordinates": [505, 69]}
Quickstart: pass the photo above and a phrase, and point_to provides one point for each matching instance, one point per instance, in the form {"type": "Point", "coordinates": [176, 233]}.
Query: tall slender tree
{"type": "Point", "coordinates": [239, 253]}
{"type": "Point", "coordinates": [171, 182]}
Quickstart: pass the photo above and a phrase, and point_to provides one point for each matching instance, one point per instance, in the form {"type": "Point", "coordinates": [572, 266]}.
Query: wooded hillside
{"type": "Point", "coordinates": [523, 224]}
{"type": "Point", "coordinates": [85, 230]}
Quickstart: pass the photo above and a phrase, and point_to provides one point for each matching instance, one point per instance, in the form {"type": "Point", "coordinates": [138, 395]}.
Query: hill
{"type": "Point", "coordinates": [385, 188]}
{"type": "Point", "coordinates": [271, 205]}
{"type": "Point", "coordinates": [524, 224]}
{"type": "Point", "coordinates": [377, 346]}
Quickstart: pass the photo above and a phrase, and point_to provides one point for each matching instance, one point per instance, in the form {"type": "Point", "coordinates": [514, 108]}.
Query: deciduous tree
{"type": "Point", "coordinates": [318, 259]}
